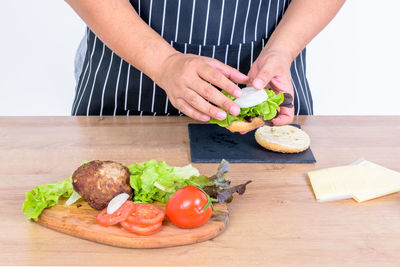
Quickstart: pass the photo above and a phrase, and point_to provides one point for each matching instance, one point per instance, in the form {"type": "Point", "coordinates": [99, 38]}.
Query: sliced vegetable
{"type": "Point", "coordinates": [44, 196]}
{"type": "Point", "coordinates": [116, 202]}
{"type": "Point", "coordinates": [189, 207]}
{"type": "Point", "coordinates": [251, 97]}
{"type": "Point", "coordinates": [73, 198]}
{"type": "Point", "coordinates": [141, 230]}
{"type": "Point", "coordinates": [118, 216]}
{"type": "Point", "coordinates": [146, 214]}
{"type": "Point", "coordinates": [267, 109]}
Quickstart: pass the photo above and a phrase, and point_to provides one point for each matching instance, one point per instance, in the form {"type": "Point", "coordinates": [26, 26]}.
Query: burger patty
{"type": "Point", "coordinates": [100, 181]}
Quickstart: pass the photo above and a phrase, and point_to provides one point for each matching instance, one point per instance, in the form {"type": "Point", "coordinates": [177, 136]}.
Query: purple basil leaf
{"type": "Point", "coordinates": [287, 101]}
{"type": "Point", "coordinates": [223, 184]}
{"type": "Point", "coordinates": [222, 169]}
{"type": "Point", "coordinates": [225, 194]}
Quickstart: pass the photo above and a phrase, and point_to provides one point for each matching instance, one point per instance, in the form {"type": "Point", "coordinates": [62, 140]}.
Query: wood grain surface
{"type": "Point", "coordinates": [277, 221]}
{"type": "Point", "coordinates": [80, 221]}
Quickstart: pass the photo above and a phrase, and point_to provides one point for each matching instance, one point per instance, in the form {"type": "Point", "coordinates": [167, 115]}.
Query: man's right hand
{"type": "Point", "coordinates": [189, 82]}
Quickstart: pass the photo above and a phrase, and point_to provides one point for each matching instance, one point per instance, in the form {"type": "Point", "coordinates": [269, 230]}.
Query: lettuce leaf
{"type": "Point", "coordinates": [159, 181]}
{"type": "Point", "coordinates": [44, 196]}
{"type": "Point", "coordinates": [267, 109]}
{"type": "Point", "coordinates": [220, 188]}
{"type": "Point", "coordinates": [153, 181]}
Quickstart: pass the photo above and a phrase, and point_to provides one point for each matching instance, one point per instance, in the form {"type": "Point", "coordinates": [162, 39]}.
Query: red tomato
{"type": "Point", "coordinates": [146, 214]}
{"type": "Point", "coordinates": [185, 207]}
{"type": "Point", "coordinates": [119, 215]}
{"type": "Point", "coordinates": [141, 230]}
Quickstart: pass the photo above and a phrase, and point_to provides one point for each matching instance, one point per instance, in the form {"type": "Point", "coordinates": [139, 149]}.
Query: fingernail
{"type": "Point", "coordinates": [221, 115]}
{"type": "Point", "coordinates": [237, 93]}
{"type": "Point", "coordinates": [205, 118]}
{"type": "Point", "coordinates": [235, 110]}
{"type": "Point", "coordinates": [258, 83]}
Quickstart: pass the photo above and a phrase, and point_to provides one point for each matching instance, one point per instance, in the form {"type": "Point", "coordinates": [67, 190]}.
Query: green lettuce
{"type": "Point", "coordinates": [44, 196]}
{"type": "Point", "coordinates": [267, 109]}
{"type": "Point", "coordinates": [153, 181]}
{"type": "Point", "coordinates": [159, 181]}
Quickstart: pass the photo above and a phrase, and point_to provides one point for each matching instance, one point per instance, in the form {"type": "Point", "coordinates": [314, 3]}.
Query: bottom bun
{"type": "Point", "coordinates": [284, 139]}
{"type": "Point", "coordinates": [244, 126]}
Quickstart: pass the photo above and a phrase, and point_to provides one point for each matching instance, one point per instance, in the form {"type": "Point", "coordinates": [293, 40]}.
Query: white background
{"type": "Point", "coordinates": [352, 65]}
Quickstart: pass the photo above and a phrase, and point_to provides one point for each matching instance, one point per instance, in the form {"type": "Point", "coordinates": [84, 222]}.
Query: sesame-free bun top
{"type": "Point", "coordinates": [284, 139]}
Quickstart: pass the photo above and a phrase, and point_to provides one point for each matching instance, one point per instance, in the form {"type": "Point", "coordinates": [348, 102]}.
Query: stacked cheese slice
{"type": "Point", "coordinates": [362, 181]}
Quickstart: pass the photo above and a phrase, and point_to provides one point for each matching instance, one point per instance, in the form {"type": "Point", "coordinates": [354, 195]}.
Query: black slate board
{"type": "Point", "coordinates": [212, 143]}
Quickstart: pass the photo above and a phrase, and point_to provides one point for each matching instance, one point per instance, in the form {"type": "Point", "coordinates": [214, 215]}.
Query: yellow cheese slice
{"type": "Point", "coordinates": [363, 181]}
{"type": "Point", "coordinates": [380, 181]}
{"type": "Point", "coordinates": [336, 183]}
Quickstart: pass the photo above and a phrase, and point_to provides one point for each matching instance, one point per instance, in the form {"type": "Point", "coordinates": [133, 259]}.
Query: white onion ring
{"type": "Point", "coordinates": [251, 97]}
{"type": "Point", "coordinates": [117, 202]}
{"type": "Point", "coordinates": [73, 198]}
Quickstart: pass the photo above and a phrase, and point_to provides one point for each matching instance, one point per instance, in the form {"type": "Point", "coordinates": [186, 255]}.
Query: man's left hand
{"type": "Point", "coordinates": [272, 70]}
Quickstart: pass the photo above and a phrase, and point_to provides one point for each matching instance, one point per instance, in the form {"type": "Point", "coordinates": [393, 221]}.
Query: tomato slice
{"type": "Point", "coordinates": [146, 214]}
{"type": "Point", "coordinates": [141, 230]}
{"type": "Point", "coordinates": [118, 216]}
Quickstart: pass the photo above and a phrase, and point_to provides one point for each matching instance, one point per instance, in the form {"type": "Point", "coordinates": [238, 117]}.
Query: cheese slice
{"type": "Point", "coordinates": [380, 181]}
{"type": "Point", "coordinates": [328, 184]}
{"type": "Point", "coordinates": [362, 181]}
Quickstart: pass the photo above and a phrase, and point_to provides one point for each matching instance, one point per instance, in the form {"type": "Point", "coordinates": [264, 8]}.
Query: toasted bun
{"type": "Point", "coordinates": [244, 126]}
{"type": "Point", "coordinates": [284, 139]}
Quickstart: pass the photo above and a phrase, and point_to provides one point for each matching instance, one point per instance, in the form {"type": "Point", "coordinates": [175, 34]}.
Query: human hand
{"type": "Point", "coordinates": [272, 70]}
{"type": "Point", "coordinates": [189, 82]}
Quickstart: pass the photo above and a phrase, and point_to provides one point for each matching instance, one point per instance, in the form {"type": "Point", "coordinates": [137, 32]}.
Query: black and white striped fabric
{"type": "Point", "coordinates": [232, 31]}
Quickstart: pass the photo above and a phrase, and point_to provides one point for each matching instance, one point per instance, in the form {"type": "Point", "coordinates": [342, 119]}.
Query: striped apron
{"type": "Point", "coordinates": [231, 31]}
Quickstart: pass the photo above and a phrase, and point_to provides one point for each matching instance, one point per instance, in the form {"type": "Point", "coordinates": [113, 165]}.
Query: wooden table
{"type": "Point", "coordinates": [277, 221]}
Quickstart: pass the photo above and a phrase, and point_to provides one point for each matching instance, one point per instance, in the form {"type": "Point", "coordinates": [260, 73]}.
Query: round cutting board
{"type": "Point", "coordinates": [79, 220]}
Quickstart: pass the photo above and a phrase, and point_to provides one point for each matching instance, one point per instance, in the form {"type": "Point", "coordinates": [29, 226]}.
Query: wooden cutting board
{"type": "Point", "coordinates": [80, 220]}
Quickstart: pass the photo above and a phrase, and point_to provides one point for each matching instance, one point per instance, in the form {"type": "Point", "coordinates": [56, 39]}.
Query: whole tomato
{"type": "Point", "coordinates": [185, 208]}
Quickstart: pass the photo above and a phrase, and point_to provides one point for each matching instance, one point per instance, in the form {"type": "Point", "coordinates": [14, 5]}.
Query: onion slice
{"type": "Point", "coordinates": [162, 188]}
{"type": "Point", "coordinates": [73, 198]}
{"type": "Point", "coordinates": [251, 97]}
{"type": "Point", "coordinates": [116, 202]}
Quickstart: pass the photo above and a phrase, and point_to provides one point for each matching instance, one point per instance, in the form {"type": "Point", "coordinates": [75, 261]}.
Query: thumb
{"type": "Point", "coordinates": [263, 77]}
